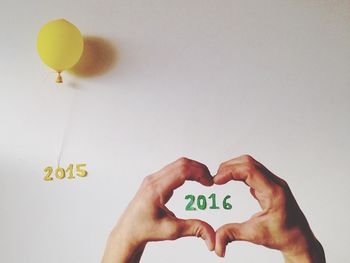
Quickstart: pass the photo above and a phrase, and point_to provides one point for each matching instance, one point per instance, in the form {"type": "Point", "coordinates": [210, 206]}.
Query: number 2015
{"type": "Point", "coordinates": [60, 173]}
{"type": "Point", "coordinates": [202, 202]}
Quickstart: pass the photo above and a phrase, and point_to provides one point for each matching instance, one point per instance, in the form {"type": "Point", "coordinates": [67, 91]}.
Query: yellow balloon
{"type": "Point", "coordinates": [60, 45]}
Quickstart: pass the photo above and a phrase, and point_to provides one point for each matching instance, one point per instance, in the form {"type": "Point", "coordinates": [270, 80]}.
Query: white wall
{"type": "Point", "coordinates": [209, 80]}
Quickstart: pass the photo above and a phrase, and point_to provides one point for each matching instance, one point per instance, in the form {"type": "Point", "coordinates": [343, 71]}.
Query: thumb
{"type": "Point", "coordinates": [198, 228]}
{"type": "Point", "coordinates": [231, 232]}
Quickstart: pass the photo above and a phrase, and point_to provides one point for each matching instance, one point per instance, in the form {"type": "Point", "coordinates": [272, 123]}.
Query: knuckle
{"type": "Point", "coordinates": [197, 229]}
{"type": "Point", "coordinates": [147, 181]}
{"type": "Point", "coordinates": [220, 233]}
{"type": "Point", "coordinates": [247, 158]}
{"type": "Point", "coordinates": [277, 193]}
{"type": "Point", "coordinates": [284, 184]}
{"type": "Point", "coordinates": [183, 161]}
{"type": "Point", "coordinates": [248, 170]}
{"type": "Point", "coordinates": [184, 164]}
{"type": "Point", "coordinates": [272, 192]}
{"type": "Point", "coordinates": [222, 166]}
{"type": "Point", "coordinates": [283, 190]}
{"type": "Point", "coordinates": [173, 232]}
{"type": "Point", "coordinates": [226, 233]}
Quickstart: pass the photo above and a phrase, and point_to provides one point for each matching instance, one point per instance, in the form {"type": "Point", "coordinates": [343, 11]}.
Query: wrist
{"type": "Point", "coordinates": [305, 251]}
{"type": "Point", "coordinates": [121, 248]}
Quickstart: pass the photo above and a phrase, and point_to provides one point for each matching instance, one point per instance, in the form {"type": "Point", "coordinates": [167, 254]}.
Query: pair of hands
{"type": "Point", "coordinates": [280, 225]}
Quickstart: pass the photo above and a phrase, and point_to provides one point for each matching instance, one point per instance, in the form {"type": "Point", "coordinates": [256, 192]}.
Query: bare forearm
{"type": "Point", "coordinates": [314, 253]}
{"type": "Point", "coordinates": [118, 250]}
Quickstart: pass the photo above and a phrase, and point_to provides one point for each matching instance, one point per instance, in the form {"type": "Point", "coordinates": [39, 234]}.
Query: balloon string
{"type": "Point", "coordinates": [66, 130]}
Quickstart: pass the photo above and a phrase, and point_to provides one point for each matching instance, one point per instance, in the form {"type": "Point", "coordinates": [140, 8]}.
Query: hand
{"type": "Point", "coordinates": [148, 219]}
{"type": "Point", "coordinates": [280, 225]}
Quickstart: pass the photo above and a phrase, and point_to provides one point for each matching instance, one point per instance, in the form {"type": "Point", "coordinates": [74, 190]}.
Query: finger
{"type": "Point", "coordinates": [232, 232]}
{"type": "Point", "coordinates": [236, 160]}
{"type": "Point", "coordinates": [175, 174]}
{"type": "Point", "coordinates": [247, 173]}
{"type": "Point", "coordinates": [198, 228]}
{"type": "Point", "coordinates": [250, 161]}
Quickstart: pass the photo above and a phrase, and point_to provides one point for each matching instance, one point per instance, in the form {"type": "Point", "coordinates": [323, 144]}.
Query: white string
{"type": "Point", "coordinates": [66, 128]}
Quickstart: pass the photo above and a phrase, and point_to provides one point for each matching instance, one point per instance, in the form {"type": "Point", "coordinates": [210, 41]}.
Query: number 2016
{"type": "Point", "coordinates": [60, 173]}
{"type": "Point", "coordinates": [202, 202]}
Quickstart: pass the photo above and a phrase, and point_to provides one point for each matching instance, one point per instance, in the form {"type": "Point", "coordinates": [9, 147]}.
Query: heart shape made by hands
{"type": "Point", "coordinates": [277, 203]}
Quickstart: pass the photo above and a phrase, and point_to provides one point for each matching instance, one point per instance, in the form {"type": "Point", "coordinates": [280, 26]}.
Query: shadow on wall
{"type": "Point", "coordinates": [99, 56]}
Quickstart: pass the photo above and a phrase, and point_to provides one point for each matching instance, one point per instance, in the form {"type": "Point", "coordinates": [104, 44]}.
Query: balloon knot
{"type": "Point", "coordinates": [59, 78]}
